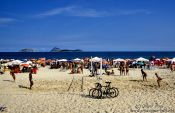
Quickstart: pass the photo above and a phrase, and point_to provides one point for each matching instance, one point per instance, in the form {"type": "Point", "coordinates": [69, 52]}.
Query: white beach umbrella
{"type": "Point", "coordinates": [169, 60]}
{"type": "Point", "coordinates": [157, 59]}
{"type": "Point", "coordinates": [96, 59]}
{"type": "Point", "coordinates": [62, 60]}
{"type": "Point", "coordinates": [173, 60]}
{"type": "Point", "coordinates": [142, 59]}
{"type": "Point", "coordinates": [118, 60]}
{"type": "Point", "coordinates": [77, 59]}
{"type": "Point", "coordinates": [16, 62]}
{"type": "Point", "coordinates": [29, 62]}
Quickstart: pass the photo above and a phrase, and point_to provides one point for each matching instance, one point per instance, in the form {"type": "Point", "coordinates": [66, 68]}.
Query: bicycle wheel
{"type": "Point", "coordinates": [111, 92]}
{"type": "Point", "coordinates": [117, 91]}
{"type": "Point", "coordinates": [90, 91]}
{"type": "Point", "coordinates": [96, 93]}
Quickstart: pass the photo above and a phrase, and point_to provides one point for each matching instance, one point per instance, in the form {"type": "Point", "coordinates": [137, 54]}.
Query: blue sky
{"type": "Point", "coordinates": [90, 25]}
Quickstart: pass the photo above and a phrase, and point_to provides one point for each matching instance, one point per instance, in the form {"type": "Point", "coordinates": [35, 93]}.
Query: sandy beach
{"type": "Point", "coordinates": [56, 91]}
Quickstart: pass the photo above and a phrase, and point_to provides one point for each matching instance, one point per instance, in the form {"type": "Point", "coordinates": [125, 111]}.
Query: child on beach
{"type": "Point", "coordinates": [30, 79]}
{"type": "Point", "coordinates": [144, 75]}
{"type": "Point", "coordinates": [159, 79]}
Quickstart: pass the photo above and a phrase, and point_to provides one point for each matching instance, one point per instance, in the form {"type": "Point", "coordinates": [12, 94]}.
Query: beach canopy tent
{"type": "Point", "coordinates": [95, 59]}
{"type": "Point", "coordinates": [118, 60]}
{"type": "Point", "coordinates": [142, 59]}
{"type": "Point", "coordinates": [62, 60]}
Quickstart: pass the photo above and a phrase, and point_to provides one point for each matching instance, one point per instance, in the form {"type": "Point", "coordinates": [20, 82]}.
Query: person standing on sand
{"type": "Point", "coordinates": [144, 74]}
{"type": "Point", "coordinates": [127, 69]}
{"type": "Point", "coordinates": [12, 72]}
{"type": "Point", "coordinates": [30, 79]}
{"type": "Point", "coordinates": [159, 79]}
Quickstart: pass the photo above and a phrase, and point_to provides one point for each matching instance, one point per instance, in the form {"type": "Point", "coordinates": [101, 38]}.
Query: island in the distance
{"type": "Point", "coordinates": [27, 50]}
{"type": "Point", "coordinates": [55, 49]}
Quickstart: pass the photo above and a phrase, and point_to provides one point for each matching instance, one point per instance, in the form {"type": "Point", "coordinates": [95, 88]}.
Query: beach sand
{"type": "Point", "coordinates": [56, 91]}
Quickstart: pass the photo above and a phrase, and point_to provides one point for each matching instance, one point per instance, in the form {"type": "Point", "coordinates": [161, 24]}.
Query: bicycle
{"type": "Point", "coordinates": [100, 90]}
{"type": "Point", "coordinates": [96, 92]}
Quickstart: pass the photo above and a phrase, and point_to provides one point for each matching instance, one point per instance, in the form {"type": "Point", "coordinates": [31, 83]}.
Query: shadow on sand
{"type": "Point", "coordinates": [136, 80]}
{"type": "Point", "coordinates": [9, 80]}
{"type": "Point", "coordinates": [25, 87]}
{"type": "Point", "coordinates": [87, 96]}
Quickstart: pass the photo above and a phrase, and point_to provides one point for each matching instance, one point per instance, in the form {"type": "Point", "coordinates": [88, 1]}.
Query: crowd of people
{"type": "Point", "coordinates": [77, 67]}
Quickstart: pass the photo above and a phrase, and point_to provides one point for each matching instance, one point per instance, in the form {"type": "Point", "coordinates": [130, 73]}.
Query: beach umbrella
{"type": "Point", "coordinates": [25, 65]}
{"type": "Point", "coordinates": [104, 61]}
{"type": "Point", "coordinates": [96, 59]}
{"type": "Point", "coordinates": [42, 59]}
{"type": "Point", "coordinates": [16, 62]}
{"type": "Point", "coordinates": [169, 60]}
{"type": "Point", "coordinates": [118, 60]}
{"type": "Point", "coordinates": [62, 60]}
{"type": "Point", "coordinates": [142, 59]}
{"type": "Point", "coordinates": [32, 59]}
{"type": "Point", "coordinates": [173, 60]}
{"type": "Point", "coordinates": [157, 59]}
{"type": "Point", "coordinates": [76, 60]}
{"type": "Point", "coordinates": [29, 62]}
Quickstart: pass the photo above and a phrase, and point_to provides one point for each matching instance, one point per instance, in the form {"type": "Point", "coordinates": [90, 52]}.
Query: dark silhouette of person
{"type": "Point", "coordinates": [159, 79]}
{"type": "Point", "coordinates": [30, 79]}
{"type": "Point", "coordinates": [144, 75]}
{"type": "Point", "coordinates": [12, 72]}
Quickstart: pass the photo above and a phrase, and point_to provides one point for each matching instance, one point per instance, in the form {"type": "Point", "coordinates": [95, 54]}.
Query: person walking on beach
{"type": "Point", "coordinates": [12, 72]}
{"type": "Point", "coordinates": [159, 79]}
{"type": "Point", "coordinates": [122, 69]}
{"type": "Point", "coordinates": [144, 75]}
{"type": "Point", "coordinates": [30, 79]}
{"type": "Point", "coordinates": [127, 69]}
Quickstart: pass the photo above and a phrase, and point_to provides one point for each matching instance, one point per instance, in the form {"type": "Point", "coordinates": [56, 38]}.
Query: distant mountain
{"type": "Point", "coordinates": [55, 49]}
{"type": "Point", "coordinates": [26, 50]}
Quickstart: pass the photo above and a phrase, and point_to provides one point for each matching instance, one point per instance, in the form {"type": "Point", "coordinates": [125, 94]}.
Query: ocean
{"type": "Point", "coordinates": [72, 55]}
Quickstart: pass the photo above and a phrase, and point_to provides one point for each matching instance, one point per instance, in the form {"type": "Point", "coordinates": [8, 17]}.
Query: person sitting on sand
{"type": "Point", "coordinates": [112, 73]}
{"type": "Point", "coordinates": [109, 73]}
{"type": "Point", "coordinates": [144, 75]}
{"type": "Point", "coordinates": [159, 79]}
{"type": "Point", "coordinates": [30, 79]}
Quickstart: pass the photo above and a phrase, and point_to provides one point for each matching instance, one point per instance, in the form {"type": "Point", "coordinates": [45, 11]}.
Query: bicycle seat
{"type": "Point", "coordinates": [98, 85]}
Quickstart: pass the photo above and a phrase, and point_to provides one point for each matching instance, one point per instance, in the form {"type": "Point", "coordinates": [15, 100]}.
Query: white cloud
{"type": "Point", "coordinates": [74, 11]}
{"type": "Point", "coordinates": [132, 12]}
{"type": "Point", "coordinates": [6, 20]}
{"type": "Point", "coordinates": [56, 11]}
{"type": "Point", "coordinates": [90, 12]}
